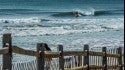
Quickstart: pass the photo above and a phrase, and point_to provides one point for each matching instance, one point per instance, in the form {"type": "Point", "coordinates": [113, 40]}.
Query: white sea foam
{"type": "Point", "coordinates": [36, 31]}
{"type": "Point", "coordinates": [60, 26]}
{"type": "Point", "coordinates": [95, 42]}
{"type": "Point", "coordinates": [39, 31]}
{"type": "Point", "coordinates": [104, 23]}
{"type": "Point", "coordinates": [20, 20]}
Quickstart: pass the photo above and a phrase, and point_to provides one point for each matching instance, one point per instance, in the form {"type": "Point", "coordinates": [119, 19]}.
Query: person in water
{"type": "Point", "coordinates": [76, 14]}
{"type": "Point", "coordinates": [47, 60]}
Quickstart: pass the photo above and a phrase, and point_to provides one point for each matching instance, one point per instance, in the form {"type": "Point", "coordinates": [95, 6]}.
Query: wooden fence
{"type": "Point", "coordinates": [83, 59]}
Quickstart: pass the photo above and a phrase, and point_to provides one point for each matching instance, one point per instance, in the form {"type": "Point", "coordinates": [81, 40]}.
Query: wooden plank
{"type": "Point", "coordinates": [78, 68]}
{"type": "Point", "coordinates": [86, 58]}
{"type": "Point", "coordinates": [61, 58]}
{"type": "Point", "coordinates": [93, 67]}
{"type": "Point", "coordinates": [75, 53]}
{"type": "Point", "coordinates": [120, 58]}
{"type": "Point", "coordinates": [103, 67]}
{"type": "Point", "coordinates": [4, 50]}
{"type": "Point", "coordinates": [40, 59]}
{"type": "Point", "coordinates": [114, 67]}
{"type": "Point", "coordinates": [18, 50]}
{"type": "Point", "coordinates": [96, 67]}
{"type": "Point", "coordinates": [91, 53]}
{"type": "Point", "coordinates": [7, 58]}
{"type": "Point", "coordinates": [104, 59]}
{"type": "Point", "coordinates": [113, 55]}
{"type": "Point", "coordinates": [66, 53]}
{"type": "Point", "coordinates": [52, 54]}
{"type": "Point", "coordinates": [34, 53]}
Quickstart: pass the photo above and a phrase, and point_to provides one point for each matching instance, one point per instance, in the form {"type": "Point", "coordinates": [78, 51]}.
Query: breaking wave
{"type": "Point", "coordinates": [92, 12]}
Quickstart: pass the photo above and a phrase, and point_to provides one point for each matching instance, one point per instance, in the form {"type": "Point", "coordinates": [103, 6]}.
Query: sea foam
{"type": "Point", "coordinates": [27, 27]}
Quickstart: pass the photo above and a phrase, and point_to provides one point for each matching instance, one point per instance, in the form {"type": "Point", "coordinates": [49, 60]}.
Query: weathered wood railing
{"type": "Point", "coordinates": [40, 55]}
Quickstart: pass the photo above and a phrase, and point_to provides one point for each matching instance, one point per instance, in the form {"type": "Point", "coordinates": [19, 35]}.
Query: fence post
{"type": "Point", "coordinates": [120, 58]}
{"type": "Point", "coordinates": [7, 58]}
{"type": "Point", "coordinates": [61, 58]}
{"type": "Point", "coordinates": [40, 59]}
{"type": "Point", "coordinates": [86, 58]}
{"type": "Point", "coordinates": [104, 59]}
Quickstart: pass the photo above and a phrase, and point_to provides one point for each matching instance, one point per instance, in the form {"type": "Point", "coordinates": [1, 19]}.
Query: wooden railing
{"type": "Point", "coordinates": [40, 55]}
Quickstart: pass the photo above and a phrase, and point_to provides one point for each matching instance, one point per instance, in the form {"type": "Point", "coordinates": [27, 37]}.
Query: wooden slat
{"type": "Point", "coordinates": [78, 68]}
{"type": "Point", "coordinates": [61, 58]}
{"type": "Point", "coordinates": [91, 53]}
{"type": "Point", "coordinates": [113, 55]}
{"type": "Point", "coordinates": [4, 50]}
{"type": "Point", "coordinates": [104, 58]}
{"type": "Point", "coordinates": [93, 67]}
{"type": "Point", "coordinates": [120, 58]}
{"type": "Point", "coordinates": [102, 67]}
{"type": "Point", "coordinates": [7, 58]}
{"type": "Point", "coordinates": [113, 67]}
{"type": "Point", "coordinates": [103, 54]}
{"type": "Point", "coordinates": [96, 67]}
{"type": "Point", "coordinates": [66, 53]}
{"type": "Point", "coordinates": [18, 50]}
{"type": "Point", "coordinates": [86, 58]}
{"type": "Point", "coordinates": [76, 53]}
{"type": "Point", "coordinates": [40, 60]}
{"type": "Point", "coordinates": [52, 54]}
{"type": "Point", "coordinates": [34, 53]}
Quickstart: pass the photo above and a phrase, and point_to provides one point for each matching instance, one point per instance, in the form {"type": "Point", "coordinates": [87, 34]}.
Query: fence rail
{"type": "Point", "coordinates": [94, 67]}
{"type": "Point", "coordinates": [18, 50]}
{"type": "Point", "coordinates": [4, 50]}
{"type": "Point", "coordinates": [82, 62]}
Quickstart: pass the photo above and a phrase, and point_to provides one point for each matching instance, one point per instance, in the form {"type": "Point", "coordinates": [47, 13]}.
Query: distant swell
{"type": "Point", "coordinates": [93, 12]}
{"type": "Point", "coordinates": [103, 12]}
{"type": "Point", "coordinates": [17, 10]}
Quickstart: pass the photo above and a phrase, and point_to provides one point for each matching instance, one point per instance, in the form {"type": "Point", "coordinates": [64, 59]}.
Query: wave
{"type": "Point", "coordinates": [17, 10]}
{"type": "Point", "coordinates": [23, 20]}
{"type": "Point", "coordinates": [93, 12]}
{"type": "Point", "coordinates": [76, 13]}
{"type": "Point", "coordinates": [103, 12]}
{"type": "Point", "coordinates": [63, 26]}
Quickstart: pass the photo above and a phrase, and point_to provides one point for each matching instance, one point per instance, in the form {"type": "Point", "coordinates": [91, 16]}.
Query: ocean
{"type": "Point", "coordinates": [71, 23]}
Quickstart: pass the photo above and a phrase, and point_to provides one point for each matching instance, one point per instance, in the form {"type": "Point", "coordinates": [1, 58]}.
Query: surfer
{"type": "Point", "coordinates": [76, 13]}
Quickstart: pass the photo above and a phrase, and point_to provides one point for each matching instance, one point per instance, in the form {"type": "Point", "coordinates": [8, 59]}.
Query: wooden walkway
{"type": "Point", "coordinates": [88, 59]}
